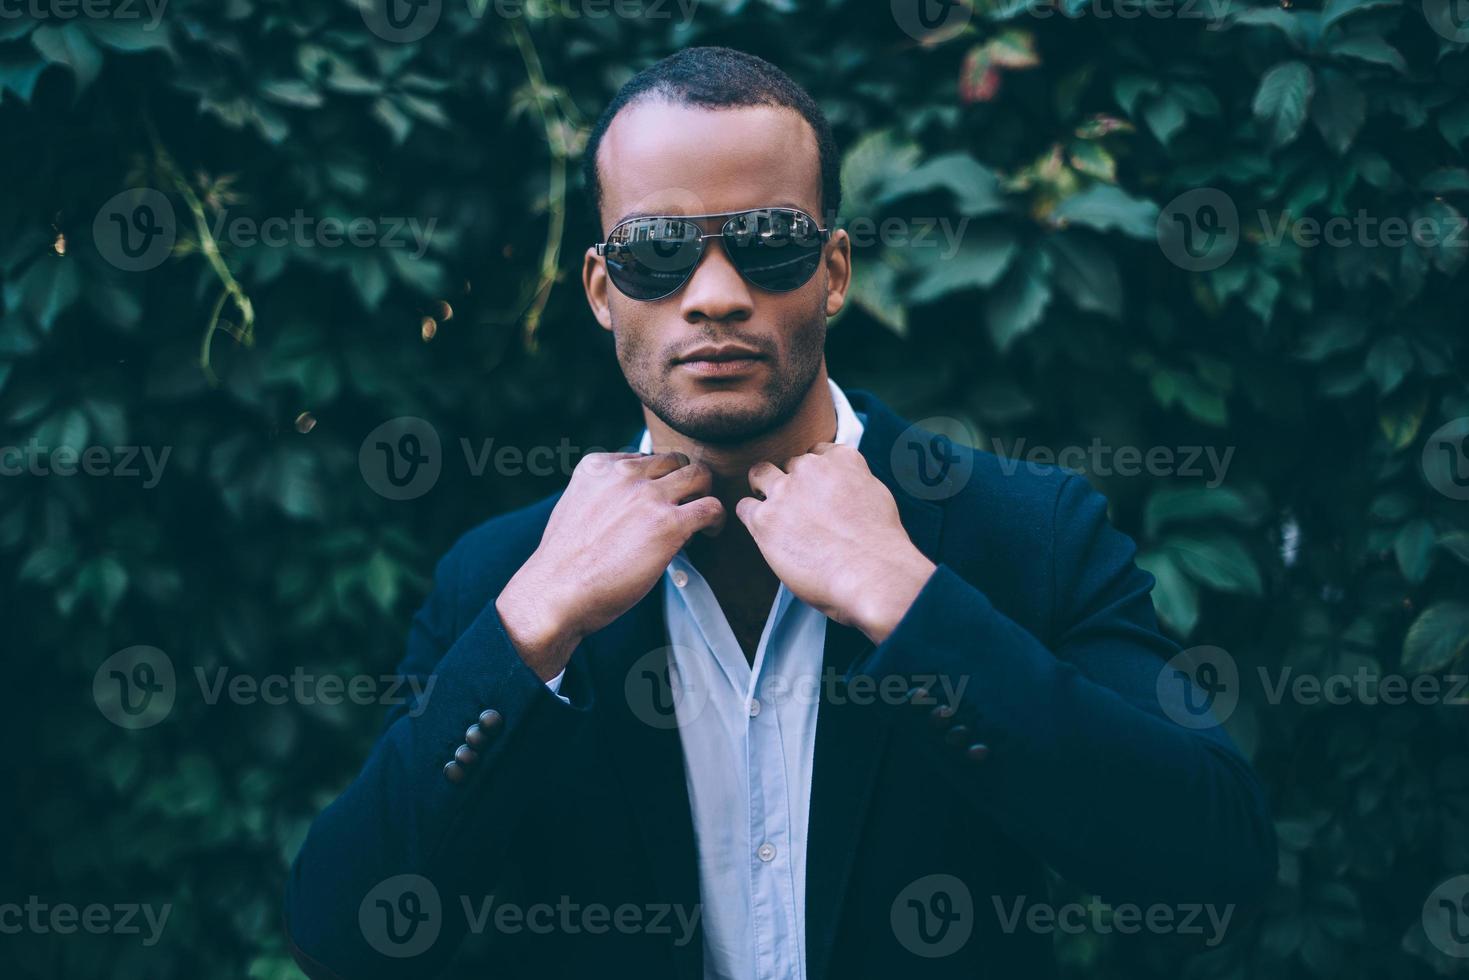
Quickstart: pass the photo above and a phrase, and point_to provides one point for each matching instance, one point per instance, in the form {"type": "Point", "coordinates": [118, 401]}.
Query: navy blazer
{"type": "Point", "coordinates": [1063, 757]}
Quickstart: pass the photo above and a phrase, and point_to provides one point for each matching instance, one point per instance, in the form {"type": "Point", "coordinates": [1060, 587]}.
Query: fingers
{"type": "Point", "coordinates": [764, 476]}
{"type": "Point", "coordinates": [658, 464]}
{"type": "Point", "coordinates": [686, 482]}
{"type": "Point", "coordinates": [746, 509]}
{"type": "Point", "coordinates": [705, 514]}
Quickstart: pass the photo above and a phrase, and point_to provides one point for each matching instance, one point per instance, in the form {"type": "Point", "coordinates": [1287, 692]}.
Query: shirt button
{"type": "Point", "coordinates": [680, 577]}
{"type": "Point", "coordinates": [766, 852]}
{"type": "Point", "coordinates": [754, 707]}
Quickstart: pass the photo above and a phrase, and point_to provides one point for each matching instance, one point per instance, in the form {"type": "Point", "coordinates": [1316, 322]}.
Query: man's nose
{"type": "Point", "coordinates": [716, 291]}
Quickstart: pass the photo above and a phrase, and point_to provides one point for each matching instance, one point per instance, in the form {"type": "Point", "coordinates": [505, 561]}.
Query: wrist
{"type": "Point", "coordinates": [543, 638]}
{"type": "Point", "coordinates": [884, 604]}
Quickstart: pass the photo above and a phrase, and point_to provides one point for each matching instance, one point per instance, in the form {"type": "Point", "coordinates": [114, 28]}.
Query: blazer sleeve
{"type": "Point", "coordinates": [403, 839]}
{"type": "Point", "coordinates": [1080, 762]}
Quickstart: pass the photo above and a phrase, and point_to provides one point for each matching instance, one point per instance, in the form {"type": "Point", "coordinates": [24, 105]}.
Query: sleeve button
{"type": "Point", "coordinates": [474, 736]}
{"type": "Point", "coordinates": [958, 735]}
{"type": "Point", "coordinates": [940, 716]}
{"type": "Point", "coordinates": [489, 720]}
{"type": "Point", "coordinates": [454, 772]}
{"type": "Point", "coordinates": [465, 756]}
{"type": "Point", "coordinates": [978, 752]}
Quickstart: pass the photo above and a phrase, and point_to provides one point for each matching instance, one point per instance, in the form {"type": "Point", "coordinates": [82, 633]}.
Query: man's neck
{"type": "Point", "coordinates": [814, 421]}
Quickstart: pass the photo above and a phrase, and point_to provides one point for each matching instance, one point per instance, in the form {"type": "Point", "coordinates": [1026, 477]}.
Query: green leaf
{"type": "Point", "coordinates": [1175, 596]}
{"type": "Point", "coordinates": [1091, 158]}
{"type": "Point", "coordinates": [293, 92]}
{"type": "Point", "coordinates": [18, 73]}
{"type": "Point", "coordinates": [1020, 301]}
{"type": "Point", "coordinates": [1414, 550]}
{"type": "Point", "coordinates": [1218, 561]}
{"type": "Point", "coordinates": [869, 165]}
{"type": "Point", "coordinates": [975, 187]}
{"type": "Point", "coordinates": [1129, 88]}
{"type": "Point", "coordinates": [1369, 48]}
{"type": "Point", "coordinates": [1105, 207]}
{"type": "Point", "coordinates": [1338, 110]}
{"type": "Point", "coordinates": [132, 35]}
{"type": "Point", "coordinates": [1330, 335]}
{"type": "Point", "coordinates": [982, 257]}
{"type": "Point", "coordinates": [1282, 100]}
{"type": "Point", "coordinates": [1400, 417]}
{"type": "Point", "coordinates": [1437, 637]}
{"type": "Point", "coordinates": [1170, 506]}
{"type": "Point", "coordinates": [1086, 272]}
{"type": "Point", "coordinates": [1388, 362]}
{"type": "Point", "coordinates": [1335, 10]}
{"type": "Point", "coordinates": [47, 289]}
{"type": "Point", "coordinates": [69, 46]}
{"type": "Point", "coordinates": [1165, 116]}
{"type": "Point", "coordinates": [876, 292]}
{"type": "Point", "coordinates": [1456, 543]}
{"type": "Point", "coordinates": [1453, 123]}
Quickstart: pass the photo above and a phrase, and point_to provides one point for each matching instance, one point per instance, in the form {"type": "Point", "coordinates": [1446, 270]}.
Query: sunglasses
{"type": "Point", "coordinates": [775, 249]}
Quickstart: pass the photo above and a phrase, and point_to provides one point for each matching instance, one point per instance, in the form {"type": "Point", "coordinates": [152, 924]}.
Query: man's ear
{"type": "Point", "coordinates": [838, 263]}
{"type": "Point", "coordinates": [594, 281]}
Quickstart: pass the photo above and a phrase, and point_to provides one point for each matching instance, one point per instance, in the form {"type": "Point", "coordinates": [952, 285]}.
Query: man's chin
{"type": "Point", "coordinates": [721, 417]}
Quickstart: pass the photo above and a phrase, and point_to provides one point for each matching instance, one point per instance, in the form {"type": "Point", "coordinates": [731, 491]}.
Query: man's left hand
{"type": "Point", "coordinates": [830, 530]}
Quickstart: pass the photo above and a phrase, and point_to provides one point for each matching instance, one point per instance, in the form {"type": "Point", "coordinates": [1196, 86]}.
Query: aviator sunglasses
{"type": "Point", "coordinates": [775, 249]}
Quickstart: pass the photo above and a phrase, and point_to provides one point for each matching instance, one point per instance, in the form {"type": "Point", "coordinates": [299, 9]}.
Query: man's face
{"type": "Point", "coordinates": [766, 348]}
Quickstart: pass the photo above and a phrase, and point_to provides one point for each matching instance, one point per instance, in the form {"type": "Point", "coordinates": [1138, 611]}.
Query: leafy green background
{"type": "Point", "coordinates": [1059, 321]}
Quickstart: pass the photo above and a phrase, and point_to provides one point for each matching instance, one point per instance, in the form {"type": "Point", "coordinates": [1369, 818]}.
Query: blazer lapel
{"type": "Point", "coordinates": [850, 738]}
{"type": "Point", "coordinates": [628, 661]}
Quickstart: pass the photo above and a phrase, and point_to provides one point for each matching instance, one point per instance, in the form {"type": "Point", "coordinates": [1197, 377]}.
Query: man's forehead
{"type": "Point", "coordinates": [660, 157]}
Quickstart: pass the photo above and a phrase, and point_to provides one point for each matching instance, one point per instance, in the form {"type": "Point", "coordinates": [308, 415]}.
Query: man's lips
{"type": "Point", "coordinates": [719, 361]}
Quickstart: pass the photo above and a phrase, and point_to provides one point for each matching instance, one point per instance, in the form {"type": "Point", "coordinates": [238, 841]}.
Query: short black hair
{"type": "Point", "coordinates": [719, 78]}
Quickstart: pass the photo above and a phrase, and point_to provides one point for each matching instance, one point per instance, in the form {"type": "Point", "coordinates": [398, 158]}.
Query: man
{"type": "Point", "coordinates": [778, 695]}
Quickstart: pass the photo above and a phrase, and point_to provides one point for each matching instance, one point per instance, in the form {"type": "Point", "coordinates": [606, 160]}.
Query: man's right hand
{"type": "Point", "coordinates": [612, 534]}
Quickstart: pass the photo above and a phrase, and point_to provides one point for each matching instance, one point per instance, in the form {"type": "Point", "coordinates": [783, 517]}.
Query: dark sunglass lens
{"type": "Point", "coordinates": [649, 258]}
{"type": "Point", "coordinates": [776, 249]}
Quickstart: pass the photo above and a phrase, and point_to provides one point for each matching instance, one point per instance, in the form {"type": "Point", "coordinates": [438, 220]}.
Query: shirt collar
{"type": "Point", "coordinates": [849, 425]}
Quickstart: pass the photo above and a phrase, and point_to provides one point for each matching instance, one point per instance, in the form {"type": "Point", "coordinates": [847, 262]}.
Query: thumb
{"type": "Point", "coordinates": [745, 511]}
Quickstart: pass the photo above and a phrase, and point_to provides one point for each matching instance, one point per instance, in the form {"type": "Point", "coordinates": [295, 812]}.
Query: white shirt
{"type": "Point", "coordinates": [749, 739]}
